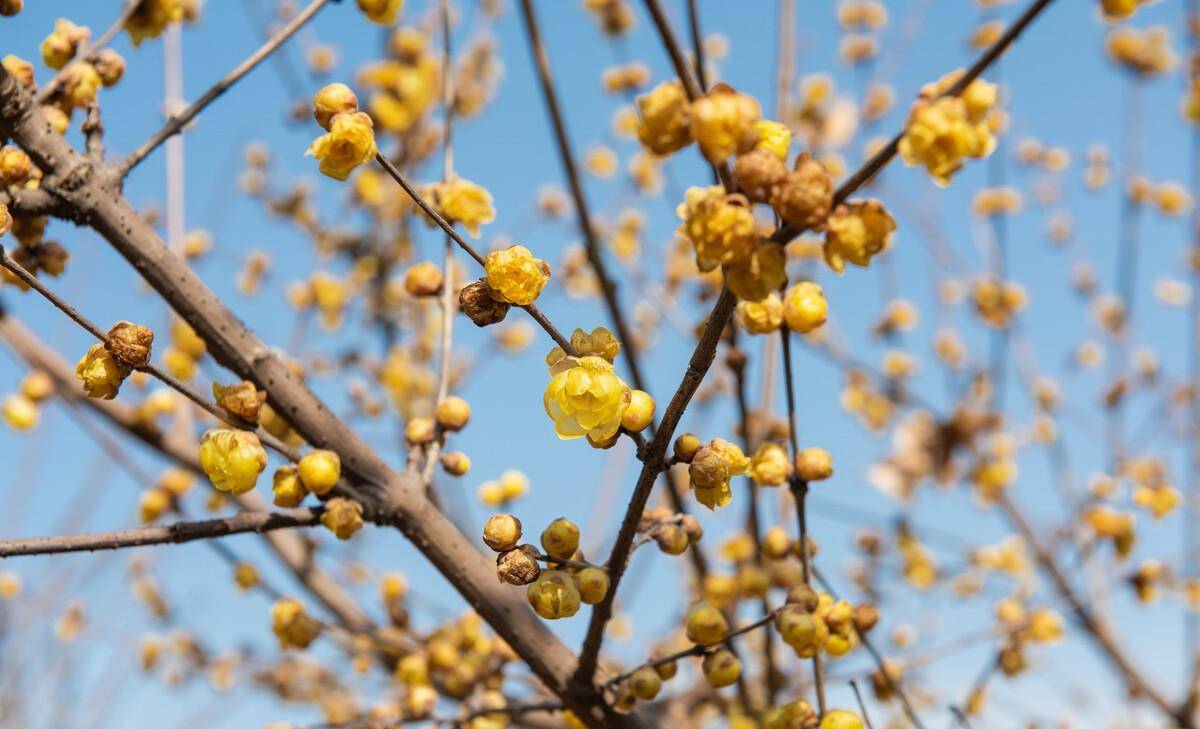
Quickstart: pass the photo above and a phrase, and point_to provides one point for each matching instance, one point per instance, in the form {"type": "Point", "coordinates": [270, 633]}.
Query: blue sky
{"type": "Point", "coordinates": [1062, 90]}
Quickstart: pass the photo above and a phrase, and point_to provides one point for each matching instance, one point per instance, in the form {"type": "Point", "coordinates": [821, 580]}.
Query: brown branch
{"type": "Point", "coordinates": [291, 550]}
{"type": "Point", "coordinates": [177, 533]}
{"type": "Point", "coordinates": [400, 496]}
{"type": "Point", "coordinates": [177, 122]}
{"type": "Point", "coordinates": [218, 412]}
{"type": "Point", "coordinates": [608, 289]}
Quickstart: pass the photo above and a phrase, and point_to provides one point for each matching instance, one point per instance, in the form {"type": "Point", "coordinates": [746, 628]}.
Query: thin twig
{"type": "Point", "coordinates": [177, 533]}
{"type": "Point", "coordinates": [177, 122]}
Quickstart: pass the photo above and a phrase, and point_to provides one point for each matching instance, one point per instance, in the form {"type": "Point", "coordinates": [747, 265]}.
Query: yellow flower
{"type": "Point", "coordinates": [288, 488]}
{"type": "Point", "coordinates": [804, 307]}
{"type": "Point", "coordinates": [153, 504]}
{"type": "Point", "coordinates": [711, 468]}
{"type": "Point", "coordinates": [723, 122]}
{"type": "Point", "coordinates": [515, 276]}
{"type": "Point", "coordinates": [343, 517]}
{"type": "Point", "coordinates": [770, 465]}
{"type": "Point", "coordinates": [721, 668]}
{"type": "Point", "coordinates": [554, 595]}
{"type": "Point", "coordinates": [665, 126]}
{"type": "Point", "coordinates": [349, 143]}
{"type": "Point", "coordinates": [1114, 10]}
{"type": "Point", "coordinates": [706, 625]}
{"type": "Point", "coordinates": [841, 719]}
{"type": "Point", "coordinates": [773, 136]}
{"type": "Point", "coordinates": [585, 397]}
{"type": "Point", "coordinates": [80, 82]}
{"type": "Point", "coordinates": [152, 17]}
{"type": "Point", "coordinates": [292, 626]}
{"type": "Point", "coordinates": [20, 412]}
{"type": "Point", "coordinates": [761, 317]}
{"type": "Point", "coordinates": [560, 538]}
{"type": "Point", "coordinates": [232, 459]}
{"type": "Point", "coordinates": [593, 585]}
{"type": "Point", "coordinates": [759, 275]}
{"type": "Point", "coordinates": [855, 232]}
{"type": "Point", "coordinates": [320, 470]}
{"type": "Point", "coordinates": [383, 12]}
{"type": "Point", "coordinates": [944, 130]}
{"type": "Point", "coordinates": [462, 201]}
{"type": "Point", "coordinates": [720, 226]}
{"type": "Point", "coordinates": [100, 373]}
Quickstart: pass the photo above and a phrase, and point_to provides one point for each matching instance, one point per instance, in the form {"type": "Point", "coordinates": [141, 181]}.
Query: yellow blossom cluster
{"type": "Point", "coordinates": [944, 130]}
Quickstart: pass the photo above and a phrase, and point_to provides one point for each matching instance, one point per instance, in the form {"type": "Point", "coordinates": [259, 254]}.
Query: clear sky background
{"type": "Point", "coordinates": [1061, 89]}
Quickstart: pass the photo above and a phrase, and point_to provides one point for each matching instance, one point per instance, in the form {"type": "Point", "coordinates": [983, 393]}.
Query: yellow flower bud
{"type": "Point", "coordinates": [101, 373]}
{"type": "Point", "coordinates": [761, 317]}
{"type": "Point", "coordinates": [343, 517]}
{"type": "Point", "coordinates": [453, 413]}
{"type": "Point", "coordinates": [645, 683]}
{"type": "Point", "coordinates": [706, 625]}
{"type": "Point", "coordinates": [515, 276]}
{"type": "Point", "coordinates": [560, 539]}
{"type": "Point", "coordinates": [289, 490]}
{"type": "Point", "coordinates": [773, 136]}
{"type": "Point", "coordinates": [153, 504]}
{"type": "Point", "coordinates": [686, 446]}
{"type": "Point", "coordinates": [456, 463]}
{"type": "Point", "coordinates": [502, 532]}
{"type": "Point", "coordinates": [720, 226]}
{"type": "Point", "coordinates": [593, 585]}
{"type": "Point", "coordinates": [419, 430]}
{"type": "Point", "coordinates": [332, 100]}
{"type": "Point", "coordinates": [841, 719]}
{"type": "Point", "coordinates": [554, 595]}
{"type": "Point", "coordinates": [320, 470]}
{"type": "Point", "coordinates": [383, 12]}
{"type": "Point", "coordinates": [245, 576]}
{"type": "Point", "coordinates": [232, 459]}
{"type": "Point", "coordinates": [721, 668]}
{"type": "Point", "coordinates": [20, 412]}
{"type": "Point", "coordinates": [640, 412]}
{"type": "Point", "coordinates": [814, 464]}
{"type": "Point", "coordinates": [292, 626]}
{"type": "Point", "coordinates": [423, 279]}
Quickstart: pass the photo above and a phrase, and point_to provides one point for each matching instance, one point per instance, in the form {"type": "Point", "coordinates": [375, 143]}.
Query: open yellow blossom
{"type": "Point", "coordinates": [349, 143]}
{"type": "Point", "coordinates": [586, 397]}
{"type": "Point", "coordinates": [770, 465]}
{"type": "Point", "coordinates": [773, 136]}
{"type": "Point", "coordinates": [152, 17]}
{"type": "Point", "coordinates": [761, 317]}
{"type": "Point", "coordinates": [343, 517]}
{"type": "Point", "coordinates": [232, 459]}
{"type": "Point", "coordinates": [462, 201]}
{"type": "Point", "coordinates": [942, 131]}
{"type": "Point", "coordinates": [723, 122]}
{"type": "Point", "coordinates": [665, 125]}
{"type": "Point", "coordinates": [720, 226]}
{"type": "Point", "coordinates": [855, 232]}
{"type": "Point", "coordinates": [383, 12]}
{"type": "Point", "coordinates": [515, 276]}
{"type": "Point", "coordinates": [101, 373]}
{"type": "Point", "coordinates": [758, 275]}
{"type": "Point", "coordinates": [293, 627]}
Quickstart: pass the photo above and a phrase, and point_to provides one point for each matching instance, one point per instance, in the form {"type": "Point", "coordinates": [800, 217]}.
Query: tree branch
{"type": "Point", "coordinates": [177, 533]}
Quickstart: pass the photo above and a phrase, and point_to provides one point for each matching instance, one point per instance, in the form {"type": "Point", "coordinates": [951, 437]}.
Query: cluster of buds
{"type": "Point", "coordinates": [553, 593]}
{"type": "Point", "coordinates": [944, 130]}
{"type": "Point", "coordinates": [35, 253]}
{"type": "Point", "coordinates": [21, 408]}
{"type": "Point", "coordinates": [710, 467]}
{"type": "Point", "coordinates": [673, 533]}
{"type": "Point", "coordinates": [813, 622]}
{"type": "Point", "coordinates": [1144, 52]}
{"type": "Point", "coordinates": [406, 84]}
